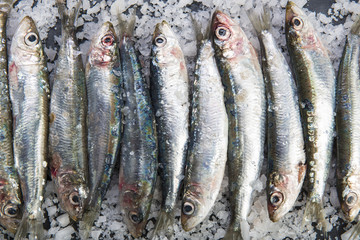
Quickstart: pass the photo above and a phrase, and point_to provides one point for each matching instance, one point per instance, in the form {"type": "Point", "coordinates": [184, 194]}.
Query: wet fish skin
{"type": "Point", "coordinates": [246, 108]}
{"type": "Point", "coordinates": [286, 155]}
{"type": "Point", "coordinates": [10, 193]}
{"type": "Point", "coordinates": [347, 124]}
{"type": "Point", "coordinates": [208, 140]}
{"type": "Point", "coordinates": [139, 153]}
{"type": "Point", "coordinates": [68, 135]}
{"type": "Point", "coordinates": [29, 94]}
{"type": "Point", "coordinates": [103, 79]}
{"type": "Point", "coordinates": [316, 83]}
{"type": "Point", "coordinates": [170, 97]}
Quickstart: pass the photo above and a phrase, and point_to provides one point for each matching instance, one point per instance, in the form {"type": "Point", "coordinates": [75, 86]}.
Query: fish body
{"type": "Point", "coordinates": [348, 126]}
{"type": "Point", "coordinates": [170, 96]}
{"type": "Point", "coordinates": [138, 164]}
{"type": "Point", "coordinates": [286, 155]}
{"type": "Point", "coordinates": [103, 79]}
{"type": "Point", "coordinates": [316, 83]}
{"type": "Point", "coordinates": [29, 94]}
{"type": "Point", "coordinates": [67, 130]}
{"type": "Point", "coordinates": [246, 108]}
{"type": "Point", "coordinates": [208, 140]}
{"type": "Point", "coordinates": [10, 193]}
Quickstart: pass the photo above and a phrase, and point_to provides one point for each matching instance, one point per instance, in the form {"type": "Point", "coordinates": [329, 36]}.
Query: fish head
{"type": "Point", "coordinates": [165, 45]}
{"type": "Point", "coordinates": [350, 196]}
{"type": "Point", "coordinates": [298, 28]}
{"type": "Point", "coordinates": [135, 204]}
{"type": "Point", "coordinates": [103, 49]}
{"type": "Point", "coordinates": [26, 46]}
{"type": "Point", "coordinates": [72, 193]}
{"type": "Point", "coordinates": [194, 207]}
{"type": "Point", "coordinates": [10, 205]}
{"type": "Point", "coordinates": [228, 37]}
{"type": "Point", "coordinates": [283, 189]}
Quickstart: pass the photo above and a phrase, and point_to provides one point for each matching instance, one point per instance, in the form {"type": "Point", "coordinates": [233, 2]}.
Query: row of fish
{"type": "Point", "coordinates": [234, 101]}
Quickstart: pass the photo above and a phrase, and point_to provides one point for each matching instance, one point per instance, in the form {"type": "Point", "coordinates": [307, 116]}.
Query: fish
{"type": "Point", "coordinates": [29, 95]}
{"type": "Point", "coordinates": [207, 152]}
{"type": "Point", "coordinates": [103, 82]}
{"type": "Point", "coordinates": [10, 193]}
{"type": "Point", "coordinates": [67, 129]}
{"type": "Point", "coordinates": [347, 123]}
{"type": "Point", "coordinates": [246, 108]}
{"type": "Point", "coordinates": [286, 156]}
{"type": "Point", "coordinates": [139, 149]}
{"type": "Point", "coordinates": [315, 78]}
{"type": "Point", "coordinates": [169, 86]}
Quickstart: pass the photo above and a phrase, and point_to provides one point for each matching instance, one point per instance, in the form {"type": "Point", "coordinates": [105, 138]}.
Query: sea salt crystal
{"type": "Point", "coordinates": [64, 234]}
{"type": "Point", "coordinates": [51, 210]}
{"type": "Point", "coordinates": [95, 234]}
{"type": "Point", "coordinates": [63, 220]}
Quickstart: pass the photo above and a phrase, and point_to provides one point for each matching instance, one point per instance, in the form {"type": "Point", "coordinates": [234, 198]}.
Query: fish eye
{"type": "Point", "coordinates": [351, 199]}
{"type": "Point", "coordinates": [222, 33]}
{"type": "Point", "coordinates": [188, 208]}
{"type": "Point", "coordinates": [297, 23]}
{"type": "Point", "coordinates": [160, 41]}
{"type": "Point", "coordinates": [74, 198]}
{"type": "Point", "coordinates": [276, 199]}
{"type": "Point", "coordinates": [135, 217]}
{"type": "Point", "coordinates": [31, 39]}
{"type": "Point", "coordinates": [11, 210]}
{"type": "Point", "coordinates": [107, 40]}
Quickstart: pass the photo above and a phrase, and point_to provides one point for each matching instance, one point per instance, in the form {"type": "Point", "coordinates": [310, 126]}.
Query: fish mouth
{"type": "Point", "coordinates": [161, 28]}
{"type": "Point", "coordinates": [292, 10]}
{"type": "Point", "coordinates": [220, 18]}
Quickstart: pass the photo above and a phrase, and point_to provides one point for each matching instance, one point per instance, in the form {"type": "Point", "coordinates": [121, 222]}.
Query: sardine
{"type": "Point", "coordinates": [315, 78]}
{"type": "Point", "coordinates": [286, 155]}
{"type": "Point", "coordinates": [348, 126]}
{"type": "Point", "coordinates": [29, 94]}
{"type": "Point", "coordinates": [170, 96]}
{"type": "Point", "coordinates": [67, 138]}
{"type": "Point", "coordinates": [246, 108]}
{"type": "Point", "coordinates": [103, 79]}
{"type": "Point", "coordinates": [207, 151]}
{"type": "Point", "coordinates": [138, 159]}
{"type": "Point", "coordinates": [10, 195]}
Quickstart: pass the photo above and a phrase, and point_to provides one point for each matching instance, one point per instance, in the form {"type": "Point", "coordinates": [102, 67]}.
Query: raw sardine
{"type": "Point", "coordinates": [286, 155]}
{"type": "Point", "coordinates": [246, 108]}
{"type": "Point", "coordinates": [316, 82]}
{"type": "Point", "coordinates": [67, 138]}
{"type": "Point", "coordinates": [29, 94]}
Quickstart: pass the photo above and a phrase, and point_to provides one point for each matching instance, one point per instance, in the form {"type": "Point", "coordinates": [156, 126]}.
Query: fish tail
{"type": "Point", "coordinates": [68, 16]}
{"type": "Point", "coordinates": [260, 21]}
{"type": "Point", "coordinates": [355, 233]}
{"type": "Point", "coordinates": [33, 227]}
{"type": "Point", "coordinates": [126, 28]}
{"type": "Point", "coordinates": [315, 211]}
{"type": "Point", "coordinates": [87, 222]}
{"type": "Point", "coordinates": [238, 231]}
{"type": "Point", "coordinates": [165, 220]}
{"type": "Point", "coordinates": [197, 29]}
{"type": "Point", "coordinates": [355, 29]}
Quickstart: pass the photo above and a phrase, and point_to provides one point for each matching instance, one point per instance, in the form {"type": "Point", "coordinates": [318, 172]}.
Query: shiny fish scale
{"type": "Point", "coordinates": [138, 166]}
{"type": "Point", "coordinates": [348, 127]}
{"type": "Point", "coordinates": [209, 135]}
{"type": "Point", "coordinates": [10, 192]}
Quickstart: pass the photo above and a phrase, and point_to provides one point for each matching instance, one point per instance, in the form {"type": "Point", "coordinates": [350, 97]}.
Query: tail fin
{"type": "Point", "coordinates": [33, 227]}
{"type": "Point", "coordinates": [315, 211]}
{"type": "Point", "coordinates": [165, 220]}
{"type": "Point", "coordinates": [126, 28]}
{"type": "Point", "coordinates": [200, 35]}
{"type": "Point", "coordinates": [87, 222]}
{"type": "Point", "coordinates": [238, 232]}
{"type": "Point", "coordinates": [355, 233]}
{"type": "Point", "coordinates": [68, 16]}
{"type": "Point", "coordinates": [260, 21]}
{"type": "Point", "coordinates": [355, 29]}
